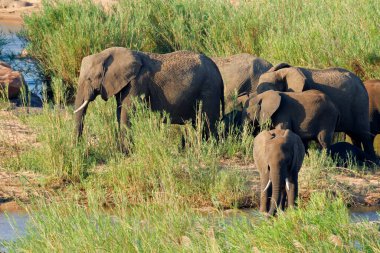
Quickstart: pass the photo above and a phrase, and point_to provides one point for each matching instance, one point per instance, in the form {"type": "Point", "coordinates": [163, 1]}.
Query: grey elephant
{"type": "Point", "coordinates": [278, 157]}
{"type": "Point", "coordinates": [173, 82]}
{"type": "Point", "coordinates": [373, 89]}
{"type": "Point", "coordinates": [345, 89]}
{"type": "Point", "coordinates": [310, 114]}
{"type": "Point", "coordinates": [240, 73]}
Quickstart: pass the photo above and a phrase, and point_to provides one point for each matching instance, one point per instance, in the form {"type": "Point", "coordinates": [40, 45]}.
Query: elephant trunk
{"type": "Point", "coordinates": [81, 104]}
{"type": "Point", "coordinates": [276, 196]}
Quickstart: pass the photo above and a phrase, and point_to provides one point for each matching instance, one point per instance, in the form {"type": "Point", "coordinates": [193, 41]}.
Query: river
{"type": "Point", "coordinates": [10, 53]}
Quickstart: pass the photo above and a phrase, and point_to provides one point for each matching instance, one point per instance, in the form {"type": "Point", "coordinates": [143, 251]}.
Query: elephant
{"type": "Point", "coordinates": [310, 114]}
{"type": "Point", "coordinates": [278, 156]}
{"type": "Point", "coordinates": [373, 89]}
{"type": "Point", "coordinates": [240, 75]}
{"type": "Point", "coordinates": [173, 82]}
{"type": "Point", "coordinates": [345, 152]}
{"type": "Point", "coordinates": [344, 88]}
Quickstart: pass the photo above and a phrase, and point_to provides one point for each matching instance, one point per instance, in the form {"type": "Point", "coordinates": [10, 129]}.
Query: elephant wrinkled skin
{"type": "Point", "coordinates": [344, 88]}
{"type": "Point", "coordinates": [240, 73]}
{"type": "Point", "coordinates": [310, 114]}
{"type": "Point", "coordinates": [173, 82]}
{"type": "Point", "coordinates": [278, 157]}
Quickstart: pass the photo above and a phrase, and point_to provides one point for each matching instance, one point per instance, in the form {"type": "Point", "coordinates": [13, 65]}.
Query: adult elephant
{"type": "Point", "coordinates": [173, 82]}
{"type": "Point", "coordinates": [278, 156]}
{"type": "Point", "coordinates": [345, 89]}
{"type": "Point", "coordinates": [373, 89]}
{"type": "Point", "coordinates": [310, 114]}
{"type": "Point", "coordinates": [240, 73]}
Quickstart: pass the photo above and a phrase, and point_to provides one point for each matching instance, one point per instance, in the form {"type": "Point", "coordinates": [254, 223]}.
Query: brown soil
{"type": "Point", "coordinates": [15, 137]}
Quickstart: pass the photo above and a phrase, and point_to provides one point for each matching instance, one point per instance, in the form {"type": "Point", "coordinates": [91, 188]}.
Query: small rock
{"type": "Point", "coordinates": [24, 53]}
{"type": "Point", "coordinates": [13, 80]}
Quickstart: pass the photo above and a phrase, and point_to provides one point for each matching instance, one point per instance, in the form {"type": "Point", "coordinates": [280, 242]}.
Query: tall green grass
{"type": "Point", "coordinates": [323, 225]}
{"type": "Point", "coordinates": [158, 169]}
{"type": "Point", "coordinates": [316, 33]}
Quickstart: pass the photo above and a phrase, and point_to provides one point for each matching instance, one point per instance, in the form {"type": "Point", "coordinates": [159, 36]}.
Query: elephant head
{"type": "Point", "coordinates": [105, 73]}
{"type": "Point", "coordinates": [279, 155]}
{"type": "Point", "coordinates": [260, 108]}
{"type": "Point", "coordinates": [282, 77]}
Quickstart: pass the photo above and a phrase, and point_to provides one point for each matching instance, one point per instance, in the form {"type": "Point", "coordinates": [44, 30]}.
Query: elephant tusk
{"type": "Point", "coordinates": [82, 106]}
{"type": "Point", "coordinates": [287, 184]}
{"type": "Point", "coordinates": [266, 187]}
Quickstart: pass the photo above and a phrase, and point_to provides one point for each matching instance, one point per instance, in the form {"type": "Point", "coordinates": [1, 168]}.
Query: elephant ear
{"type": "Point", "coordinates": [294, 78]}
{"type": "Point", "coordinates": [298, 153]}
{"type": "Point", "coordinates": [252, 108]}
{"type": "Point", "coordinates": [270, 103]}
{"type": "Point", "coordinates": [120, 66]}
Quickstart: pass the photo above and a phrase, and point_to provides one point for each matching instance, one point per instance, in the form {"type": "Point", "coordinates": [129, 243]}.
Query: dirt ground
{"type": "Point", "coordinates": [11, 11]}
{"type": "Point", "coordinates": [15, 137]}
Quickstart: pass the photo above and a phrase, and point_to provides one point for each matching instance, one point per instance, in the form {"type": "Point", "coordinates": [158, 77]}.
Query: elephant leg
{"type": "Point", "coordinates": [211, 108]}
{"type": "Point", "coordinates": [368, 145]}
{"type": "Point", "coordinates": [283, 199]}
{"type": "Point", "coordinates": [118, 112]}
{"type": "Point", "coordinates": [366, 140]}
{"type": "Point", "coordinates": [306, 145]}
{"type": "Point", "coordinates": [124, 123]}
{"type": "Point", "coordinates": [325, 138]}
{"type": "Point", "coordinates": [125, 97]}
{"type": "Point", "coordinates": [355, 140]}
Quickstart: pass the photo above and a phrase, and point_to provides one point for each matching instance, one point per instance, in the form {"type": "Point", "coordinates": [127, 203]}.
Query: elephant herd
{"type": "Point", "coordinates": [300, 104]}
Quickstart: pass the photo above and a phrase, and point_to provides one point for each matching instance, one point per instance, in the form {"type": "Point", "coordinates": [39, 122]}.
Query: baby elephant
{"type": "Point", "coordinates": [278, 156]}
{"type": "Point", "coordinates": [309, 114]}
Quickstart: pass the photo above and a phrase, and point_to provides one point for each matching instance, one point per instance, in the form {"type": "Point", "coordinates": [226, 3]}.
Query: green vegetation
{"type": "Point", "coordinates": [318, 33]}
{"type": "Point", "coordinates": [323, 225]}
{"type": "Point", "coordinates": [150, 200]}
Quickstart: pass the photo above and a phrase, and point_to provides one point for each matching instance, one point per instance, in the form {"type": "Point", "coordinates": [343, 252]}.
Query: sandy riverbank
{"type": "Point", "coordinates": [11, 12]}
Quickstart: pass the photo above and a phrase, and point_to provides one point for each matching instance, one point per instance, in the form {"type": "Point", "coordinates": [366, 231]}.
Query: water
{"type": "Point", "coordinates": [10, 54]}
{"type": "Point", "coordinates": [359, 214]}
{"type": "Point", "coordinates": [12, 227]}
